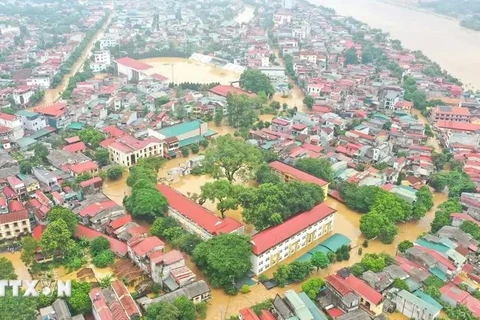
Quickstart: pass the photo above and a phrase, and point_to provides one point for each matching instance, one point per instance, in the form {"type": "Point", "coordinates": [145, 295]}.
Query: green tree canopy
{"type": "Point", "coordinates": [312, 287]}
{"type": "Point", "coordinates": [115, 172]}
{"type": "Point", "coordinates": [98, 245]}
{"type": "Point", "coordinates": [80, 302]}
{"type": "Point", "coordinates": [65, 214]}
{"type": "Point", "coordinates": [19, 308]}
{"type": "Point", "coordinates": [56, 237]}
{"type": "Point", "coordinates": [404, 245]}
{"type": "Point", "coordinates": [320, 168]}
{"type": "Point", "coordinates": [141, 173]}
{"type": "Point", "coordinates": [29, 246]}
{"type": "Point", "coordinates": [224, 259]}
{"type": "Point", "coordinates": [104, 258]}
{"type": "Point", "coordinates": [7, 271]}
{"type": "Point", "coordinates": [91, 136]}
{"type": "Point", "coordinates": [375, 224]}
{"type": "Point", "coordinates": [351, 56]}
{"type": "Point", "coordinates": [265, 174]}
{"type": "Point", "coordinates": [147, 203]}
{"type": "Point", "coordinates": [256, 81]}
{"type": "Point", "coordinates": [223, 192]}
{"type": "Point", "coordinates": [442, 215]}
{"type": "Point", "coordinates": [102, 157]}
{"type": "Point", "coordinates": [231, 156]}
{"type": "Point", "coordinates": [241, 112]}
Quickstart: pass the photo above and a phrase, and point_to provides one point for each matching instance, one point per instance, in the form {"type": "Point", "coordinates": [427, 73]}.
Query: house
{"type": "Point", "coordinates": [14, 125]}
{"type": "Point", "coordinates": [340, 294]}
{"type": "Point", "coordinates": [113, 302]}
{"type": "Point", "coordinates": [247, 314]}
{"type": "Point", "coordinates": [288, 172]}
{"type": "Point", "coordinates": [55, 115]}
{"type": "Point", "coordinates": [140, 250]}
{"type": "Point", "coordinates": [98, 214]}
{"type": "Point", "coordinates": [87, 167]}
{"type": "Point", "coordinates": [32, 121]}
{"type": "Point", "coordinates": [414, 307]}
{"type": "Point", "coordinates": [17, 185]}
{"type": "Point", "coordinates": [58, 310]}
{"type": "Point", "coordinates": [3, 205]}
{"type": "Point", "coordinates": [196, 219]}
{"type": "Point", "coordinates": [169, 270]}
{"type": "Point", "coordinates": [392, 97]}
{"type": "Point", "coordinates": [77, 147]}
{"type": "Point", "coordinates": [197, 291]}
{"type": "Point", "coordinates": [14, 223]}
{"type": "Point", "coordinates": [46, 178]}
{"type": "Point", "coordinates": [456, 114]}
{"type": "Point", "coordinates": [276, 243]}
{"type": "Point", "coordinates": [453, 295]}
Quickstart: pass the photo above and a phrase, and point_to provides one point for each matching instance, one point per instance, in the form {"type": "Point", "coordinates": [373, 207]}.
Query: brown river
{"type": "Point", "coordinates": [442, 39]}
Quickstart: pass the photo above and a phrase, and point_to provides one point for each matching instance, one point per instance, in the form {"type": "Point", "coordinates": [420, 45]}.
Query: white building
{"type": "Point", "coordinates": [132, 69]}
{"type": "Point", "coordinates": [126, 150]}
{"type": "Point", "coordinates": [32, 121]}
{"type": "Point", "coordinates": [109, 40]}
{"type": "Point", "coordinates": [13, 123]}
{"type": "Point", "coordinates": [277, 243]}
{"type": "Point", "coordinates": [22, 96]}
{"type": "Point", "coordinates": [276, 74]}
{"type": "Point", "coordinates": [101, 60]}
{"type": "Point", "coordinates": [39, 81]}
{"type": "Point", "coordinates": [391, 99]}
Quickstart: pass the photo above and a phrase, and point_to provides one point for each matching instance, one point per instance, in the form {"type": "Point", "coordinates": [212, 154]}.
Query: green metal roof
{"type": "Point", "coordinates": [439, 273]}
{"type": "Point", "coordinates": [75, 126]}
{"type": "Point", "coordinates": [298, 305]}
{"type": "Point", "coordinates": [40, 133]}
{"type": "Point", "coordinates": [319, 248]}
{"type": "Point", "coordinates": [419, 302]}
{"type": "Point", "coordinates": [335, 241]}
{"type": "Point", "coordinates": [179, 129]}
{"type": "Point", "coordinates": [24, 142]}
{"type": "Point", "coordinates": [314, 310]}
{"type": "Point", "coordinates": [26, 113]}
{"type": "Point", "coordinates": [306, 257]}
{"type": "Point", "coordinates": [432, 245]}
{"type": "Point", "coordinates": [190, 141]}
{"type": "Point", "coordinates": [425, 297]}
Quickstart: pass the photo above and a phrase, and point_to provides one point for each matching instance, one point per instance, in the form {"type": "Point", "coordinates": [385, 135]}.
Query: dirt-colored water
{"type": "Point", "coordinates": [52, 95]}
{"type": "Point", "coordinates": [20, 268]}
{"type": "Point", "coordinates": [180, 70]}
{"type": "Point", "coordinates": [432, 141]}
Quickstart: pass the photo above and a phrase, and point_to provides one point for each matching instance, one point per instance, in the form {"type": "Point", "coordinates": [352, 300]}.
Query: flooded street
{"type": "Point", "coordinates": [52, 95]}
{"type": "Point", "coordinates": [424, 31]}
{"type": "Point", "coordinates": [432, 141]}
{"type": "Point", "coordinates": [20, 268]}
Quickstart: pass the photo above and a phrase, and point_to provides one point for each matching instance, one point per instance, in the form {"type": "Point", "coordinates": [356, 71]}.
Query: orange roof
{"type": "Point", "coordinates": [82, 167]}
{"type": "Point", "coordinates": [133, 64]}
{"type": "Point", "coordinates": [224, 90]}
{"type": "Point", "coordinates": [297, 174]}
{"type": "Point", "coordinates": [54, 110]}
{"type": "Point", "coordinates": [75, 147]}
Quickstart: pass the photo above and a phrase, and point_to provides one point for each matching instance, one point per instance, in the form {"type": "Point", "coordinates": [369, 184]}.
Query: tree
{"type": "Point", "coordinates": [80, 302]}
{"type": "Point", "coordinates": [186, 307]}
{"type": "Point", "coordinates": [162, 311]}
{"type": "Point", "coordinates": [218, 117]}
{"type": "Point", "coordinates": [400, 284]}
{"type": "Point", "coordinates": [40, 151]}
{"type": "Point", "coordinates": [26, 167]}
{"type": "Point", "coordinates": [7, 271]}
{"type": "Point", "coordinates": [351, 56]}
{"type": "Point", "coordinates": [241, 113]}
{"type": "Point", "coordinates": [104, 259]}
{"type": "Point", "coordinates": [281, 275]}
{"type": "Point", "coordinates": [433, 281]}
{"type": "Point", "coordinates": [91, 136]}
{"type": "Point", "coordinates": [195, 148]}
{"type": "Point", "coordinates": [264, 174]}
{"type": "Point", "coordinates": [29, 246]}
{"type": "Point", "coordinates": [65, 214]}
{"type": "Point", "coordinates": [308, 101]}
{"type": "Point", "coordinates": [98, 245]}
{"type": "Point", "coordinates": [299, 270]}
{"type": "Point", "coordinates": [404, 245]}
{"type": "Point", "coordinates": [106, 281]}
{"type": "Point", "coordinates": [138, 173]}
{"type": "Point", "coordinates": [19, 308]}
{"type": "Point", "coordinates": [438, 182]}
{"type": "Point", "coordinates": [392, 207]}
{"type": "Point", "coordinates": [147, 203]}
{"type": "Point", "coordinates": [231, 156]}
{"type": "Point", "coordinates": [357, 269]}
{"type": "Point", "coordinates": [442, 215]}
{"type": "Point", "coordinates": [115, 172]}
{"type": "Point", "coordinates": [102, 156]}
{"type": "Point", "coordinates": [224, 258]}
{"type": "Point", "coordinates": [160, 225]}
{"type": "Point", "coordinates": [151, 163]}
{"type": "Point", "coordinates": [320, 260]}
{"type": "Point", "coordinates": [256, 81]}
{"type": "Point", "coordinates": [375, 224]}
{"type": "Point", "coordinates": [312, 287]}
{"type": "Point", "coordinates": [185, 151]}
{"type": "Point", "coordinates": [471, 228]}
{"type": "Point", "coordinates": [320, 168]}
{"type": "Point", "coordinates": [55, 237]}
{"type": "Point", "coordinates": [187, 242]}
{"type": "Point", "coordinates": [374, 262]}
{"type": "Point", "coordinates": [221, 191]}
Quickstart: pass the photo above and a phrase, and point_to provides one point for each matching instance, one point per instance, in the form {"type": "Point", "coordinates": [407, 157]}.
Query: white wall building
{"type": "Point", "coordinates": [108, 41]}
{"type": "Point", "coordinates": [101, 60]}
{"type": "Point", "coordinates": [32, 121]}
{"type": "Point", "coordinates": [276, 74]}
{"type": "Point", "coordinates": [127, 150]}
{"type": "Point", "coordinates": [14, 123]}
{"type": "Point", "coordinates": [39, 81]}
{"type": "Point", "coordinates": [277, 243]}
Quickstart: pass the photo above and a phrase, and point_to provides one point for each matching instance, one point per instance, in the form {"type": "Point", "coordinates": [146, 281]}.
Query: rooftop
{"type": "Point", "coordinates": [181, 128]}
{"type": "Point", "coordinates": [133, 64]}
{"type": "Point", "coordinates": [297, 174]}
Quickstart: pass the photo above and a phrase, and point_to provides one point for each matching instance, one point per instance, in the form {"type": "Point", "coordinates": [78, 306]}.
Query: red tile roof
{"type": "Point", "coordinates": [120, 222]}
{"type": "Point", "coordinates": [116, 246]}
{"type": "Point", "coordinates": [72, 140]}
{"type": "Point", "coordinates": [3, 202]}
{"type": "Point", "coordinates": [464, 216]}
{"type": "Point", "coordinates": [89, 182]}
{"type": "Point", "coordinates": [363, 289]}
{"type": "Point", "coordinates": [13, 217]}
{"type": "Point", "coordinates": [248, 314]}
{"type": "Point", "coordinates": [473, 305]}
{"type": "Point", "coordinates": [297, 174]}
{"type": "Point", "coordinates": [193, 211]}
{"type": "Point", "coordinates": [100, 305]}
{"type": "Point", "coordinates": [113, 131]}
{"type": "Point", "coordinates": [272, 236]}
{"type": "Point", "coordinates": [95, 208]}
{"type": "Point", "coordinates": [339, 284]}
{"type": "Point", "coordinates": [54, 110]}
{"type": "Point", "coordinates": [82, 167]}
{"type": "Point", "coordinates": [133, 64]}
{"type": "Point", "coordinates": [166, 258]}
{"type": "Point", "coordinates": [223, 90]}
{"type": "Point", "coordinates": [147, 245]}
{"type": "Point", "coordinates": [15, 206]}
{"type": "Point", "coordinates": [267, 315]}
{"type": "Point", "coordinates": [335, 312]}
{"type": "Point", "coordinates": [126, 300]}
{"type": "Point", "coordinates": [8, 192]}
{"type": "Point", "coordinates": [439, 257]}
{"type": "Point", "coordinates": [451, 110]}
{"type": "Point", "coordinates": [75, 147]}
{"type": "Point", "coordinates": [456, 125]}
{"type": "Point", "coordinates": [7, 117]}
{"type": "Point", "coordinates": [453, 292]}
{"type": "Point", "coordinates": [37, 232]}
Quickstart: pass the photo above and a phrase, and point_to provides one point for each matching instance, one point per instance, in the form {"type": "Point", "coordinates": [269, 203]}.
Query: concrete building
{"type": "Point", "coordinates": [15, 223]}
{"type": "Point", "coordinates": [275, 244]}
{"type": "Point", "coordinates": [132, 69]}
{"type": "Point", "coordinates": [457, 114]}
{"type": "Point", "coordinates": [101, 60]}
{"type": "Point", "coordinates": [291, 173]}
{"type": "Point", "coordinates": [109, 40]}
{"type": "Point", "coordinates": [114, 302]}
{"type": "Point", "coordinates": [196, 219]}
{"type": "Point", "coordinates": [276, 74]}
{"type": "Point", "coordinates": [32, 121]}
{"type": "Point", "coordinates": [126, 150]}
{"type": "Point", "coordinates": [197, 292]}
{"type": "Point", "coordinates": [22, 95]}
{"type": "Point", "coordinates": [392, 97]}
{"type": "Point", "coordinates": [417, 307]}
{"type": "Point", "coordinates": [13, 125]}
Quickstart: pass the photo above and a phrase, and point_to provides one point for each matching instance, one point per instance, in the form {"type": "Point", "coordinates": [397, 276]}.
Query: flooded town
{"type": "Point", "coordinates": [234, 159]}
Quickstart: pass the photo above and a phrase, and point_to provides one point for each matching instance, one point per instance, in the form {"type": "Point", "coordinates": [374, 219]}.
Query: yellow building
{"type": "Point", "coordinates": [291, 173]}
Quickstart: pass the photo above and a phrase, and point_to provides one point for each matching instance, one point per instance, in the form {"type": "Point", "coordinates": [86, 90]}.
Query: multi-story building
{"type": "Point", "coordinates": [114, 302]}
{"type": "Point", "coordinates": [291, 173]}
{"type": "Point", "coordinates": [447, 113]}
{"type": "Point", "coordinates": [22, 95]}
{"type": "Point", "coordinates": [32, 121]}
{"type": "Point", "coordinates": [277, 243]}
{"type": "Point", "coordinates": [196, 219]}
{"type": "Point", "coordinates": [108, 41]}
{"type": "Point", "coordinates": [102, 60]}
{"type": "Point", "coordinates": [14, 125]}
{"type": "Point", "coordinates": [140, 250]}
{"type": "Point", "coordinates": [55, 115]}
{"type": "Point", "coordinates": [14, 223]}
{"type": "Point", "coordinates": [392, 97]}
{"type": "Point", "coordinates": [46, 178]}
{"type": "Point", "coordinates": [418, 305]}
{"type": "Point", "coordinates": [126, 150]}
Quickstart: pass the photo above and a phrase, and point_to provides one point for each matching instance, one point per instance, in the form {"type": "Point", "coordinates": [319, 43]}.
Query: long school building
{"type": "Point", "coordinates": [277, 243]}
